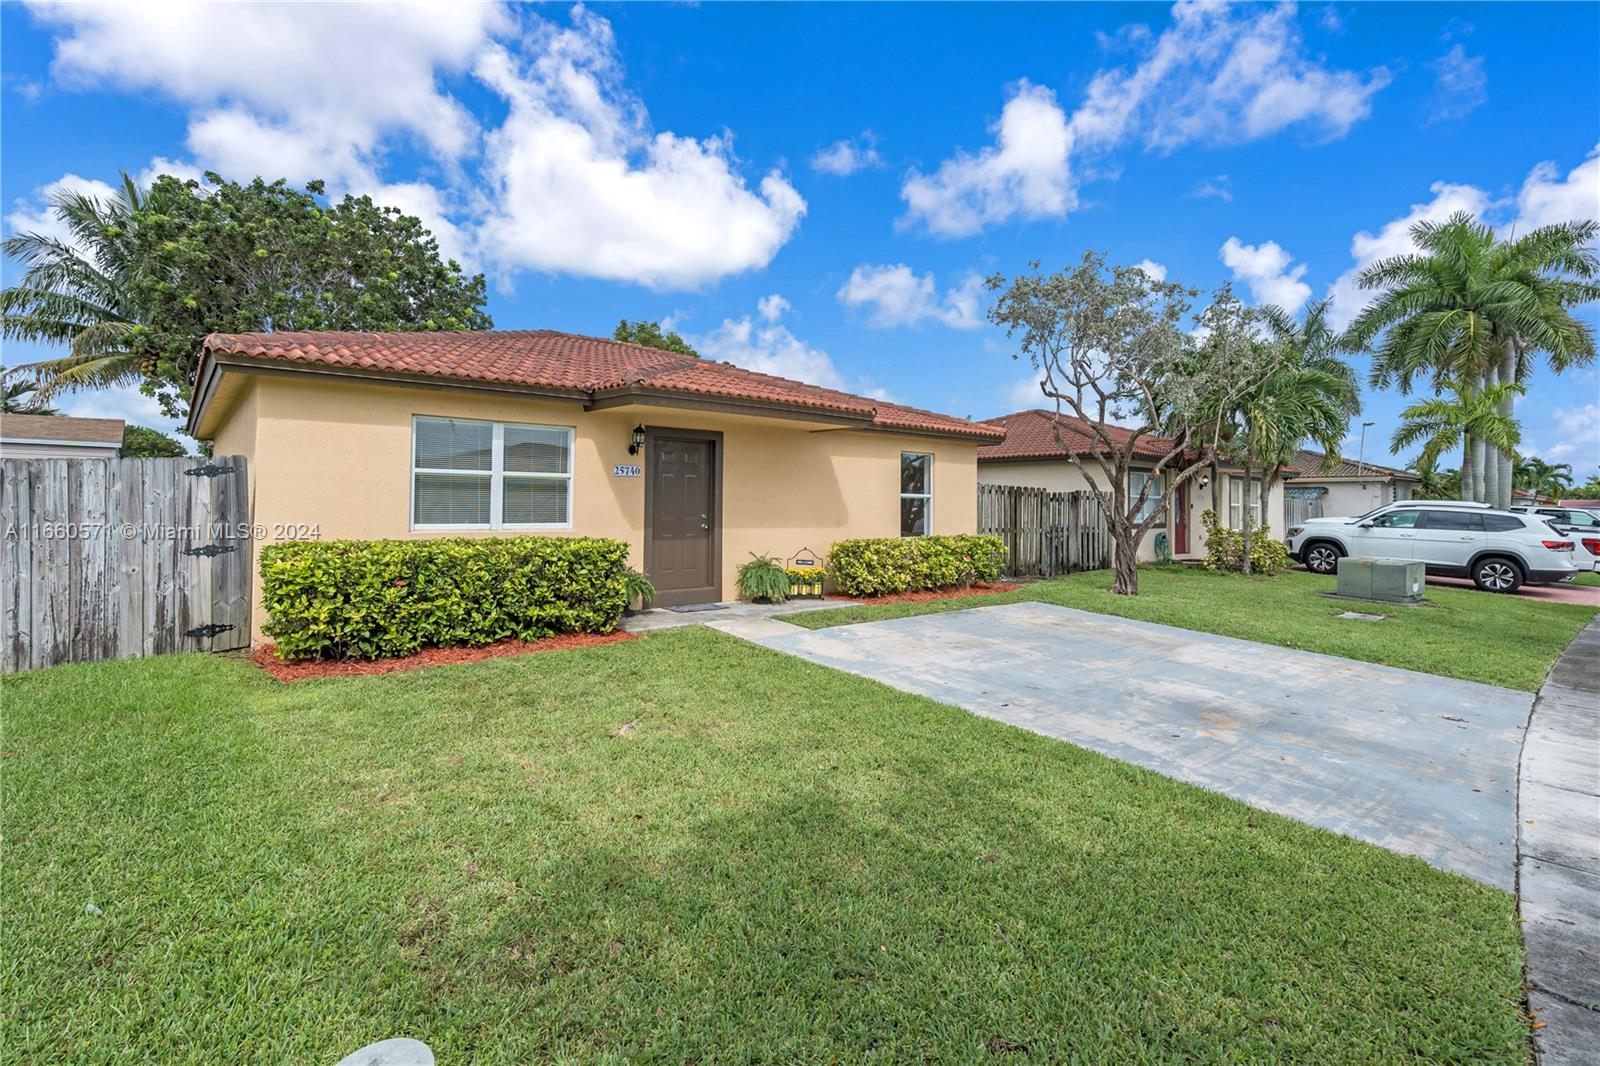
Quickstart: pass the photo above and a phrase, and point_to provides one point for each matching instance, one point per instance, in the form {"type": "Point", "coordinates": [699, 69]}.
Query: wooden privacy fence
{"type": "Point", "coordinates": [112, 558]}
{"type": "Point", "coordinates": [1046, 533]}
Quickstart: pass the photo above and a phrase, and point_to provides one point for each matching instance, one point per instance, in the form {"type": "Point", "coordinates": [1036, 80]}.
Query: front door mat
{"type": "Point", "coordinates": [695, 608]}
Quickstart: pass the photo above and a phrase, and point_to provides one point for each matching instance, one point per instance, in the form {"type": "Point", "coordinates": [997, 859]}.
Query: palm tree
{"type": "Point", "coordinates": [1474, 309]}
{"type": "Point", "coordinates": [1541, 478]}
{"type": "Point", "coordinates": [78, 291]}
{"type": "Point", "coordinates": [1310, 398]}
{"type": "Point", "coordinates": [1435, 485]}
{"type": "Point", "coordinates": [19, 395]}
{"type": "Point", "coordinates": [1442, 423]}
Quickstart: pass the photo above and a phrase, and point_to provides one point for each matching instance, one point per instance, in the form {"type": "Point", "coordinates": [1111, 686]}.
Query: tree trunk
{"type": "Point", "coordinates": [1466, 466]}
{"type": "Point", "coordinates": [1491, 454]}
{"type": "Point", "coordinates": [1244, 496]}
{"type": "Point", "coordinates": [1508, 406]}
{"type": "Point", "coordinates": [1216, 487]}
{"type": "Point", "coordinates": [1479, 482]}
{"type": "Point", "coordinates": [1125, 559]}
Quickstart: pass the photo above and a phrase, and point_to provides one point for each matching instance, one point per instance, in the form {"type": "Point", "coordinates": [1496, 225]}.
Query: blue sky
{"type": "Point", "coordinates": [814, 190]}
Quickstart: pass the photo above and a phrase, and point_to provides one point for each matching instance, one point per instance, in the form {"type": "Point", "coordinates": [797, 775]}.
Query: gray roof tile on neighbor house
{"type": "Point", "coordinates": [1307, 465]}
{"type": "Point", "coordinates": [20, 427]}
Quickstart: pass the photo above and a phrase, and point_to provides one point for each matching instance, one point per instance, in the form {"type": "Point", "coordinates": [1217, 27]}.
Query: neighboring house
{"type": "Point", "coordinates": [1030, 455]}
{"type": "Point", "coordinates": [59, 437]}
{"type": "Point", "coordinates": [1585, 505]}
{"type": "Point", "coordinates": [698, 465]}
{"type": "Point", "coordinates": [1350, 487]}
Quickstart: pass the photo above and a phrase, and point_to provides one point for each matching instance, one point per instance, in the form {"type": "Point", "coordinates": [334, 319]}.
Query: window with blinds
{"type": "Point", "coordinates": [916, 493]}
{"type": "Point", "coordinates": [468, 474]}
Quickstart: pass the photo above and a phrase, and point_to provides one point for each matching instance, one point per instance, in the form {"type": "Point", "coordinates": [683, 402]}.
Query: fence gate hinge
{"type": "Point", "coordinates": [209, 470]}
{"type": "Point", "coordinates": [210, 629]}
{"type": "Point", "coordinates": [208, 550]}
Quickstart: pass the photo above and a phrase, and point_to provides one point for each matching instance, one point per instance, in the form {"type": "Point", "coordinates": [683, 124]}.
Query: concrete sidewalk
{"type": "Point", "coordinates": [1558, 823]}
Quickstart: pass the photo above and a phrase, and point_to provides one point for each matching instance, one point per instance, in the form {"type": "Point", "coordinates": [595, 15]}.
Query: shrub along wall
{"type": "Point", "coordinates": [883, 566]}
{"type": "Point", "coordinates": [372, 599]}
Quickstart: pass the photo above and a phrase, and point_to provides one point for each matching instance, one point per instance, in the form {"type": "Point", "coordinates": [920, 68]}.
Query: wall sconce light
{"type": "Point", "coordinates": [636, 444]}
{"type": "Point", "coordinates": [1204, 481]}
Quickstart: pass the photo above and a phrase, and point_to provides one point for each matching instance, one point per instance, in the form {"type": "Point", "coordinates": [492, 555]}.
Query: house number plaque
{"type": "Point", "coordinates": [624, 470]}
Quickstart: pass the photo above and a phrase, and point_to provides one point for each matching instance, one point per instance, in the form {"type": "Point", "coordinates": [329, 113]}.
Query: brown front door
{"type": "Point", "coordinates": [683, 544]}
{"type": "Point", "coordinates": [1180, 521]}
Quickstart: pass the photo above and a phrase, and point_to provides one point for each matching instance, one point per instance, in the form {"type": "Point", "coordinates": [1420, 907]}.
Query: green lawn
{"type": "Point", "coordinates": [682, 848]}
{"type": "Point", "coordinates": [1501, 640]}
{"type": "Point", "coordinates": [1588, 577]}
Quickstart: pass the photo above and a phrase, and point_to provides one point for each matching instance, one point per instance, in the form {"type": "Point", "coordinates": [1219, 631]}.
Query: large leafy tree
{"type": "Point", "coordinates": [80, 292]}
{"type": "Point", "coordinates": [146, 278]}
{"type": "Point", "coordinates": [142, 442]}
{"type": "Point", "coordinates": [1475, 309]}
{"type": "Point", "coordinates": [651, 335]}
{"type": "Point", "coordinates": [1111, 344]}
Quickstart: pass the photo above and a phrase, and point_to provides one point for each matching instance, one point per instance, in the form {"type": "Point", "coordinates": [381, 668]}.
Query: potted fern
{"type": "Point", "coordinates": [763, 580]}
{"type": "Point", "coordinates": [639, 590]}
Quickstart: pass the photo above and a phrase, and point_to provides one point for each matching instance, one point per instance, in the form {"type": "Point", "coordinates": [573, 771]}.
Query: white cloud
{"type": "Point", "coordinates": [1578, 430]}
{"type": "Point", "coordinates": [327, 75]}
{"type": "Point", "coordinates": [1222, 75]}
{"type": "Point", "coordinates": [1269, 271]}
{"type": "Point", "coordinates": [1547, 198]}
{"type": "Point", "coordinates": [772, 349]}
{"type": "Point", "coordinates": [772, 307]}
{"type": "Point", "coordinates": [35, 216]}
{"type": "Point", "coordinates": [581, 186]}
{"type": "Point", "coordinates": [845, 157]}
{"type": "Point", "coordinates": [1155, 270]}
{"type": "Point", "coordinates": [1460, 85]}
{"type": "Point", "coordinates": [1217, 188]}
{"type": "Point", "coordinates": [898, 296]}
{"type": "Point", "coordinates": [574, 181]}
{"type": "Point", "coordinates": [1025, 394]}
{"type": "Point", "coordinates": [1025, 173]}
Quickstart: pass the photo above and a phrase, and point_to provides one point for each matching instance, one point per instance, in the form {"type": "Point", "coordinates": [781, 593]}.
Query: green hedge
{"type": "Point", "coordinates": [372, 599]}
{"type": "Point", "coordinates": [881, 566]}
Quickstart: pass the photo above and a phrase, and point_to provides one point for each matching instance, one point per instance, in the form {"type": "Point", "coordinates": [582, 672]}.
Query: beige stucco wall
{"type": "Point", "coordinates": [1058, 475]}
{"type": "Point", "coordinates": [1357, 497]}
{"type": "Point", "coordinates": [336, 456]}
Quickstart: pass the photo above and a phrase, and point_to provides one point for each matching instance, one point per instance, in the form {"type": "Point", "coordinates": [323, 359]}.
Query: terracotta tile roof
{"type": "Point", "coordinates": [545, 359]}
{"type": "Point", "coordinates": [1029, 435]}
{"type": "Point", "coordinates": [21, 427]}
{"type": "Point", "coordinates": [1307, 465]}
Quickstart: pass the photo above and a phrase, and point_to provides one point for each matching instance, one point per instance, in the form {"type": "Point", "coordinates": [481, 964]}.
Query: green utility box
{"type": "Point", "coordinates": [1390, 580]}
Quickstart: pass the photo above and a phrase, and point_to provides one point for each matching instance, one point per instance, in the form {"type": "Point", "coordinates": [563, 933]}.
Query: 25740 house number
{"type": "Point", "coordinates": [624, 470]}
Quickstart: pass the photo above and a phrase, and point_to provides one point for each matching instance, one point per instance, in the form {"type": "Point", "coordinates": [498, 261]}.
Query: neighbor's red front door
{"type": "Point", "coordinates": [1180, 521]}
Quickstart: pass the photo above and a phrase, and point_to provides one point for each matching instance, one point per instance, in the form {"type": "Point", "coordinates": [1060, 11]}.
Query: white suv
{"type": "Point", "coordinates": [1581, 525]}
{"type": "Point", "coordinates": [1499, 550]}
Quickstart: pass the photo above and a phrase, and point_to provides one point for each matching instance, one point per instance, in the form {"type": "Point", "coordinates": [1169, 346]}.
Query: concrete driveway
{"type": "Point", "coordinates": [1422, 765]}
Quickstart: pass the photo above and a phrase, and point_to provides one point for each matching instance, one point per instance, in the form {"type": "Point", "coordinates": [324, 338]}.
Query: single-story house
{"type": "Point", "coordinates": [1350, 487]}
{"type": "Point", "coordinates": [59, 437]}
{"type": "Point", "coordinates": [1030, 455]}
{"type": "Point", "coordinates": [698, 465]}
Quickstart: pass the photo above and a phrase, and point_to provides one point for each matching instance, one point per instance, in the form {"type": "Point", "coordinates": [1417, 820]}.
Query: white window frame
{"type": "Point", "coordinates": [497, 477]}
{"type": "Point", "coordinates": [1156, 502]}
{"type": "Point", "coordinates": [927, 514]}
{"type": "Point", "coordinates": [1238, 494]}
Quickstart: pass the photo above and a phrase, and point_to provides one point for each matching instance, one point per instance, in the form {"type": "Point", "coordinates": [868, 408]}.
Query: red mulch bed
{"type": "Point", "coordinates": [930, 594]}
{"type": "Point", "coordinates": [263, 656]}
